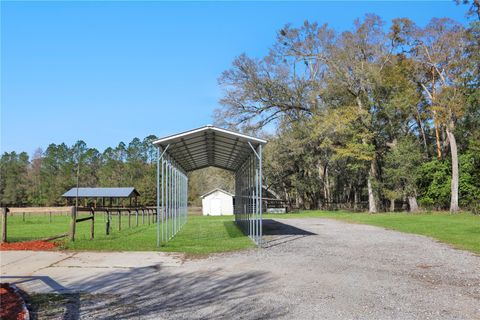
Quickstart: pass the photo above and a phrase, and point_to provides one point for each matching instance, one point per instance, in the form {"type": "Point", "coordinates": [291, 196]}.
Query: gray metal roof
{"type": "Point", "coordinates": [101, 193]}
{"type": "Point", "coordinates": [209, 146]}
{"type": "Point", "coordinates": [217, 189]}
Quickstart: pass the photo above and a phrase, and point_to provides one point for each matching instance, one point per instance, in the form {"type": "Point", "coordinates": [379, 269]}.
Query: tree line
{"type": "Point", "coordinates": [372, 117]}
{"type": "Point", "coordinates": [383, 117]}
{"type": "Point", "coordinates": [42, 180]}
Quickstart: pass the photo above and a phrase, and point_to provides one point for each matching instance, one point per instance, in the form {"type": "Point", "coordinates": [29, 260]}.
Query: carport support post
{"type": "Point", "coordinates": [172, 201]}
{"type": "Point", "coordinates": [257, 215]}
{"type": "Point", "coordinates": [258, 196]}
{"type": "Point", "coordinates": [163, 199]}
{"type": "Point", "coordinates": [260, 192]}
{"type": "Point", "coordinates": [158, 197]}
{"type": "Point", "coordinates": [167, 195]}
{"type": "Point", "coordinates": [176, 202]}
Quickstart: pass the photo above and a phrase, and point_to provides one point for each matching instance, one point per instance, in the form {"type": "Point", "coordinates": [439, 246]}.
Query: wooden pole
{"type": "Point", "coordinates": [107, 224]}
{"type": "Point", "coordinates": [4, 224]}
{"type": "Point", "coordinates": [119, 220]}
{"type": "Point", "coordinates": [136, 217]}
{"type": "Point", "coordinates": [73, 222]}
{"type": "Point", "coordinates": [129, 218]}
{"type": "Point", "coordinates": [92, 227]}
{"type": "Point", "coordinates": [50, 217]}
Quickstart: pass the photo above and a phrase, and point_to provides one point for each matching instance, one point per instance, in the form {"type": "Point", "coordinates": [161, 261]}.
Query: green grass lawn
{"type": "Point", "coordinates": [460, 230]}
{"type": "Point", "coordinates": [203, 235]}
{"type": "Point", "coordinates": [37, 226]}
{"type": "Point", "coordinates": [200, 235]}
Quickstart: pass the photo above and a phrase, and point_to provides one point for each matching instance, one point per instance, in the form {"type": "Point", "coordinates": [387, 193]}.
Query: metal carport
{"type": "Point", "coordinates": [199, 148]}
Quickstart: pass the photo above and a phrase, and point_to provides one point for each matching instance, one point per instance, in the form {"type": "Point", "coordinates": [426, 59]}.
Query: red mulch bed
{"type": "Point", "coordinates": [11, 304]}
{"type": "Point", "coordinates": [37, 245]}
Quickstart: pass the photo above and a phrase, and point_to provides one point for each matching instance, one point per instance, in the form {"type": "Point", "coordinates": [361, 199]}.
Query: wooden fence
{"type": "Point", "coordinates": [142, 215]}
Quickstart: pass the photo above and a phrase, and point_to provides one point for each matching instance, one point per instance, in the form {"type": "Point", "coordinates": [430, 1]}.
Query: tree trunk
{"type": "Point", "coordinates": [412, 203]}
{"type": "Point", "coordinates": [404, 203]}
{"type": "Point", "coordinates": [372, 205]}
{"type": "Point", "coordinates": [422, 131]}
{"type": "Point", "coordinates": [437, 137]}
{"type": "Point", "coordinates": [435, 122]}
{"type": "Point", "coordinates": [454, 186]}
{"type": "Point", "coordinates": [300, 202]}
{"type": "Point", "coordinates": [392, 205]}
{"type": "Point", "coordinates": [355, 199]}
{"type": "Point", "coordinates": [327, 185]}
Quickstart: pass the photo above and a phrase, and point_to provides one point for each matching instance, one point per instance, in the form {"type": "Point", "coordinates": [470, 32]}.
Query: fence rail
{"type": "Point", "coordinates": [13, 210]}
{"type": "Point", "coordinates": [141, 215]}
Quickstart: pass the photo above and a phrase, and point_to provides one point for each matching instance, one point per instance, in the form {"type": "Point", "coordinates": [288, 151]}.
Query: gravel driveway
{"type": "Point", "coordinates": [310, 269]}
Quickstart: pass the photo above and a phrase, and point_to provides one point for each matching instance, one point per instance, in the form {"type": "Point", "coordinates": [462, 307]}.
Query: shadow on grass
{"type": "Point", "coordinates": [232, 229]}
{"type": "Point", "coordinates": [156, 292]}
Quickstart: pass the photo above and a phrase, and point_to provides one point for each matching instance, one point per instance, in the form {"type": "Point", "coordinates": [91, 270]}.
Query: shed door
{"type": "Point", "coordinates": [216, 206]}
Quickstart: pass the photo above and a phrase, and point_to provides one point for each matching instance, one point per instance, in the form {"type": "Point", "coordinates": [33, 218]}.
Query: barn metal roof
{"type": "Point", "coordinates": [101, 193]}
{"type": "Point", "coordinates": [209, 146]}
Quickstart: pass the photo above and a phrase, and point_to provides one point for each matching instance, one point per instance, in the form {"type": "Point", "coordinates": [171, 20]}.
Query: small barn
{"type": "Point", "coordinates": [217, 202]}
{"type": "Point", "coordinates": [104, 197]}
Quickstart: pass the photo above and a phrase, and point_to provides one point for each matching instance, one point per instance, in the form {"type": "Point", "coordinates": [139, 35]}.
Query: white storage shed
{"type": "Point", "coordinates": [217, 202]}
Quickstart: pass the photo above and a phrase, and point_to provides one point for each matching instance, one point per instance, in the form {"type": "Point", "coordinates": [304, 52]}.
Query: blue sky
{"type": "Point", "coordinates": [106, 72]}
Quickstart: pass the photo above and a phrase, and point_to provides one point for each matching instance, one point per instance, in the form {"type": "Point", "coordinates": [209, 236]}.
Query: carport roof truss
{"type": "Point", "coordinates": [209, 146]}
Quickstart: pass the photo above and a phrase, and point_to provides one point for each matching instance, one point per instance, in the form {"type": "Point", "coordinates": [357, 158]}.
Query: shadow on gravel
{"type": "Point", "coordinates": [155, 293]}
{"type": "Point", "coordinates": [63, 304]}
{"type": "Point", "coordinates": [277, 233]}
{"type": "Point", "coordinates": [274, 227]}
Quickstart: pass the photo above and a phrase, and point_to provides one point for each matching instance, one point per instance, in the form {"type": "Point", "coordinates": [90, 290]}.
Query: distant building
{"type": "Point", "coordinates": [105, 197]}
{"type": "Point", "coordinates": [217, 202]}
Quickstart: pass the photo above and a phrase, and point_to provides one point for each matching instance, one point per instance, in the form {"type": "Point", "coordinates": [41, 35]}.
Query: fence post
{"type": "Point", "coordinates": [73, 222]}
{"type": "Point", "coordinates": [136, 217]}
{"type": "Point", "coordinates": [129, 217]}
{"type": "Point", "coordinates": [92, 228]}
{"type": "Point", "coordinates": [119, 219]}
{"type": "Point", "coordinates": [107, 224]}
{"type": "Point", "coordinates": [4, 224]}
